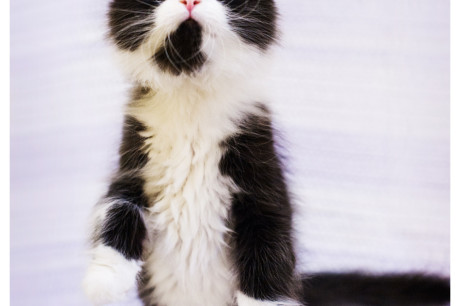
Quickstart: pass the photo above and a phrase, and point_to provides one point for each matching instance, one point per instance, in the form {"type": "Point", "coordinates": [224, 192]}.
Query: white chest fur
{"type": "Point", "coordinates": [188, 263]}
{"type": "Point", "coordinates": [187, 220]}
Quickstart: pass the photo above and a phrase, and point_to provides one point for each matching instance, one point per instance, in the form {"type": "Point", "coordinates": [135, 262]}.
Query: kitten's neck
{"type": "Point", "coordinates": [192, 108]}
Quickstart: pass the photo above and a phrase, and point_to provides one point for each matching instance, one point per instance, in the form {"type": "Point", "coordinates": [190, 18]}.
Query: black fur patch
{"type": "Point", "coordinates": [331, 289]}
{"type": "Point", "coordinates": [133, 156]}
{"type": "Point", "coordinates": [260, 214]}
{"type": "Point", "coordinates": [130, 20]}
{"type": "Point", "coordinates": [128, 185]}
{"type": "Point", "coordinates": [144, 291]}
{"type": "Point", "coordinates": [181, 52]}
{"type": "Point", "coordinates": [124, 229]}
{"type": "Point", "coordinates": [254, 21]}
{"type": "Point", "coordinates": [139, 92]}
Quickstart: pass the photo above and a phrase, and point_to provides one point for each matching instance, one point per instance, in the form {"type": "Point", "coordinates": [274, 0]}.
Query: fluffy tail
{"type": "Point", "coordinates": [356, 289]}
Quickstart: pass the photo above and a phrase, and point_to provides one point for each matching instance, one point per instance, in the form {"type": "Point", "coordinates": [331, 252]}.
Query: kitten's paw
{"type": "Point", "coordinates": [244, 300]}
{"type": "Point", "coordinates": [110, 276]}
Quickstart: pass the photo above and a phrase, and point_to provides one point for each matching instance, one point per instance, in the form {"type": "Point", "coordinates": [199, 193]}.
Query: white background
{"type": "Point", "coordinates": [361, 97]}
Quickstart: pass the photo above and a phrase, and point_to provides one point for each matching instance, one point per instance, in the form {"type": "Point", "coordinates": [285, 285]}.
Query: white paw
{"type": "Point", "coordinates": [244, 300]}
{"type": "Point", "coordinates": [110, 276]}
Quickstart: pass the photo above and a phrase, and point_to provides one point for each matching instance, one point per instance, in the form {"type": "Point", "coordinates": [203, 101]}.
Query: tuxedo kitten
{"type": "Point", "coordinates": [198, 213]}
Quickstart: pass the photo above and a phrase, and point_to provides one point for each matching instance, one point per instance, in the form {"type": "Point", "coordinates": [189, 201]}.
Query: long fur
{"type": "Point", "coordinates": [198, 212]}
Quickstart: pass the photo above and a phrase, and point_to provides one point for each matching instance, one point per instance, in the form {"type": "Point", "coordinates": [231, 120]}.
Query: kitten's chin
{"type": "Point", "coordinates": [182, 50]}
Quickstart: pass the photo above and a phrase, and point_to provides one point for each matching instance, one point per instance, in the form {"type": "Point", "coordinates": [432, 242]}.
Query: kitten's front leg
{"type": "Point", "coordinates": [261, 217]}
{"type": "Point", "coordinates": [263, 253]}
{"type": "Point", "coordinates": [116, 255]}
{"type": "Point", "coordinates": [119, 229]}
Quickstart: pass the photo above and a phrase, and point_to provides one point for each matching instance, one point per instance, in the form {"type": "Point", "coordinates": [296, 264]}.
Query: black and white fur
{"type": "Point", "coordinates": [198, 213]}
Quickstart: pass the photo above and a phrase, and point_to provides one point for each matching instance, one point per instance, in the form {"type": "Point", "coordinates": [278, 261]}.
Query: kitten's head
{"type": "Point", "coordinates": [191, 39]}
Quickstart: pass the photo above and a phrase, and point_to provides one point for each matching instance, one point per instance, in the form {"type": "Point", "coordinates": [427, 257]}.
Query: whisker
{"type": "Point", "coordinates": [131, 11]}
{"type": "Point", "coordinates": [146, 3]}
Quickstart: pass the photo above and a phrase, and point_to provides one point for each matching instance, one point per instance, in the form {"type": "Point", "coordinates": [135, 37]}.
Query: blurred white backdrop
{"type": "Point", "coordinates": [361, 97]}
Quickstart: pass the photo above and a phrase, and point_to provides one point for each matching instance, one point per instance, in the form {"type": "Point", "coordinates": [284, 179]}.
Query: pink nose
{"type": "Point", "coordinates": [190, 4]}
